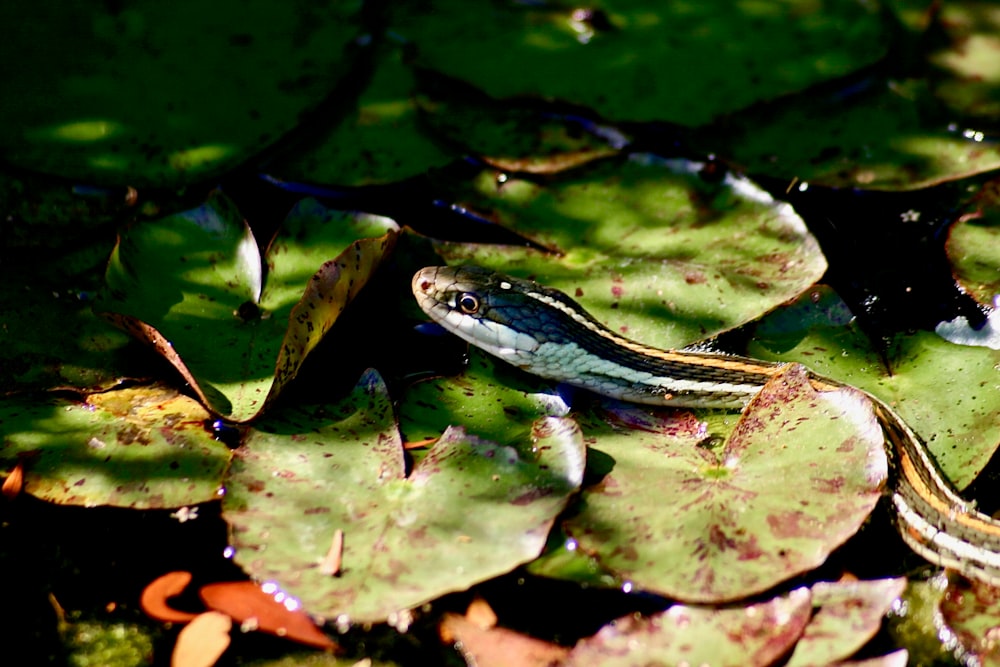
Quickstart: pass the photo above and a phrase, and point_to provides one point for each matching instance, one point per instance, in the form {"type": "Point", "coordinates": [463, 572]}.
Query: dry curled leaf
{"type": "Point", "coordinates": [155, 595]}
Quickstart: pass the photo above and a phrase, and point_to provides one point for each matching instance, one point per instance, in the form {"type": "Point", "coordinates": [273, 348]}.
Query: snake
{"type": "Point", "coordinates": [546, 333]}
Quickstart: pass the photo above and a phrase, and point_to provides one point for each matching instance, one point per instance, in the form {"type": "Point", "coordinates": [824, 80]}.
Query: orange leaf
{"type": "Point", "coordinates": [498, 647]}
{"type": "Point", "coordinates": [203, 641]}
{"type": "Point", "coordinates": [155, 595]}
{"type": "Point", "coordinates": [252, 607]}
{"type": "Point", "coordinates": [14, 483]}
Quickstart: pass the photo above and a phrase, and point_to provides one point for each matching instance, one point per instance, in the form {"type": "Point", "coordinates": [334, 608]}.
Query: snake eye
{"type": "Point", "coordinates": [468, 303]}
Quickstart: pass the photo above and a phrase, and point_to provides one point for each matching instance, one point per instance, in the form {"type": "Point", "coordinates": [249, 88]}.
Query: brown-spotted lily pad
{"type": "Point", "coordinates": [675, 515]}
{"type": "Point", "coordinates": [970, 610]}
{"type": "Point", "coordinates": [759, 634]}
{"type": "Point", "coordinates": [468, 511]}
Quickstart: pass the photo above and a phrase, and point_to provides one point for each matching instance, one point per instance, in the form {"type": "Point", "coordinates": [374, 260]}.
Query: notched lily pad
{"type": "Point", "coordinates": [942, 390]}
{"type": "Point", "coordinates": [649, 246]}
{"type": "Point", "coordinates": [756, 635]}
{"type": "Point", "coordinates": [796, 478]}
{"type": "Point", "coordinates": [470, 510]}
{"type": "Point", "coordinates": [144, 448]}
{"type": "Point", "coordinates": [192, 286]}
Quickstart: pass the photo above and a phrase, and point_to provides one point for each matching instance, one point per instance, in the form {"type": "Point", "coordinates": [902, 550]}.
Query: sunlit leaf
{"type": "Point", "coordinates": [945, 392]}
{"type": "Point", "coordinates": [468, 511]}
{"type": "Point", "coordinates": [974, 249]}
{"type": "Point", "coordinates": [144, 447]}
{"type": "Point", "coordinates": [648, 246]}
{"type": "Point", "coordinates": [758, 634]}
{"type": "Point", "coordinates": [191, 286]}
{"type": "Point", "coordinates": [796, 478]}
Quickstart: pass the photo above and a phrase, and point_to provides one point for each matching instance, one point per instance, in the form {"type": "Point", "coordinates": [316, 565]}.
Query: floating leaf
{"type": "Point", "coordinates": [798, 476]}
{"type": "Point", "coordinates": [258, 609]}
{"type": "Point", "coordinates": [468, 511]}
{"type": "Point", "coordinates": [487, 400]}
{"type": "Point", "coordinates": [151, 94]}
{"type": "Point", "coordinates": [143, 447]}
{"type": "Point", "coordinates": [191, 285]}
{"type": "Point", "coordinates": [155, 596]}
{"type": "Point", "coordinates": [381, 139]}
{"type": "Point", "coordinates": [877, 139]}
{"type": "Point", "coordinates": [648, 246]}
{"type": "Point", "coordinates": [627, 62]}
{"type": "Point", "coordinates": [971, 610]}
{"type": "Point", "coordinates": [974, 251]}
{"type": "Point", "coordinates": [203, 641]}
{"type": "Point", "coordinates": [942, 390]}
{"type": "Point", "coordinates": [848, 614]}
{"type": "Point", "coordinates": [759, 634]}
{"type": "Point", "coordinates": [498, 647]}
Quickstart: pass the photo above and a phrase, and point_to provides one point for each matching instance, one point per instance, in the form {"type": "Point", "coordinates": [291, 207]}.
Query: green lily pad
{"type": "Point", "coordinates": [685, 63]}
{"type": "Point", "coordinates": [468, 511]}
{"type": "Point", "coordinates": [796, 478]}
{"type": "Point", "coordinates": [649, 247]}
{"type": "Point", "coordinates": [487, 400]}
{"type": "Point", "coordinates": [150, 94]}
{"type": "Point", "coordinates": [191, 285]}
{"type": "Point", "coordinates": [758, 634]}
{"type": "Point", "coordinates": [974, 252]}
{"type": "Point", "coordinates": [967, 75]}
{"type": "Point", "coordinates": [942, 390]}
{"type": "Point", "coordinates": [144, 448]}
{"type": "Point", "coordinates": [879, 139]}
{"type": "Point", "coordinates": [971, 611]}
{"type": "Point", "coordinates": [848, 614]}
{"type": "Point", "coordinates": [379, 141]}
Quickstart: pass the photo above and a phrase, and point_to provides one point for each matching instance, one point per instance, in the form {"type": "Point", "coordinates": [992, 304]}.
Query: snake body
{"type": "Point", "coordinates": [545, 332]}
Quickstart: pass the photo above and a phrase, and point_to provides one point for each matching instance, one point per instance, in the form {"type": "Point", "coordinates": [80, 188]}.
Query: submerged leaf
{"type": "Point", "coordinates": [470, 510]}
{"type": "Point", "coordinates": [798, 476]}
{"type": "Point", "coordinates": [191, 285]}
{"type": "Point", "coordinates": [756, 635]}
{"type": "Point", "coordinates": [144, 447]}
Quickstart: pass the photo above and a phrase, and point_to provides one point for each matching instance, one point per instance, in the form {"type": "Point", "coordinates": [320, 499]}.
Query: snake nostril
{"type": "Point", "coordinates": [425, 285]}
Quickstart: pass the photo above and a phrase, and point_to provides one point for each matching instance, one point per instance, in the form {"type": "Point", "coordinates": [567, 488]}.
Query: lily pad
{"type": "Point", "coordinates": [971, 611]}
{"type": "Point", "coordinates": [470, 510]}
{"type": "Point", "coordinates": [848, 614]}
{"type": "Point", "coordinates": [648, 246]}
{"type": "Point", "coordinates": [880, 138]}
{"type": "Point", "coordinates": [150, 94]}
{"type": "Point", "coordinates": [144, 448]}
{"type": "Point", "coordinates": [685, 63]}
{"type": "Point", "coordinates": [974, 251]}
{"type": "Point", "coordinates": [759, 634]}
{"type": "Point", "coordinates": [487, 400]}
{"type": "Point", "coordinates": [943, 391]}
{"type": "Point", "coordinates": [191, 285]}
{"type": "Point", "coordinates": [796, 478]}
{"type": "Point", "coordinates": [379, 141]}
